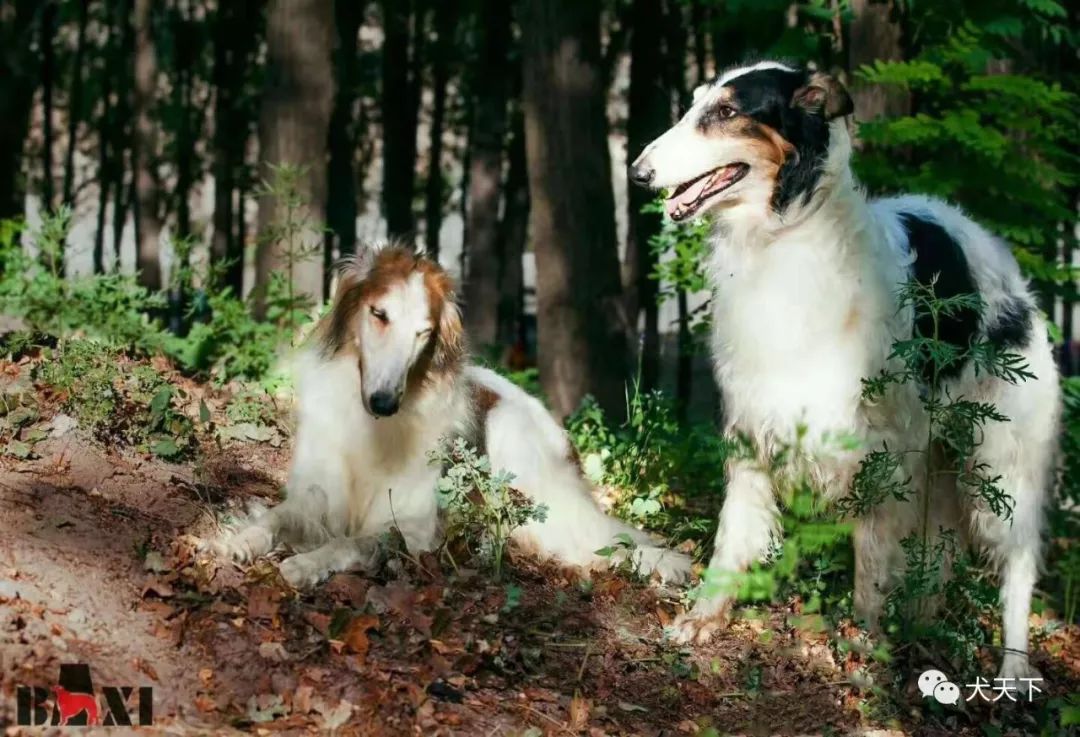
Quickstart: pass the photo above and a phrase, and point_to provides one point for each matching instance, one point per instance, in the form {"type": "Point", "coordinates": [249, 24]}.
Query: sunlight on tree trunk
{"type": "Point", "coordinates": [147, 219]}
{"type": "Point", "coordinates": [293, 125]}
{"type": "Point", "coordinates": [582, 327]}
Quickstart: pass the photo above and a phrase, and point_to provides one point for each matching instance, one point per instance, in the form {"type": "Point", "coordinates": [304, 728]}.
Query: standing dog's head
{"type": "Point", "coordinates": [395, 310]}
{"type": "Point", "coordinates": [754, 141]}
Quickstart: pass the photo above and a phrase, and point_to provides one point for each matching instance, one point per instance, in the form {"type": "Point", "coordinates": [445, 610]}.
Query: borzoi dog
{"type": "Point", "coordinates": [805, 273]}
{"type": "Point", "coordinates": [381, 385]}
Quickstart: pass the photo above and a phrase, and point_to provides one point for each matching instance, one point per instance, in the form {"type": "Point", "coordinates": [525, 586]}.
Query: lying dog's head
{"type": "Point", "coordinates": [395, 310]}
{"type": "Point", "coordinates": [755, 139]}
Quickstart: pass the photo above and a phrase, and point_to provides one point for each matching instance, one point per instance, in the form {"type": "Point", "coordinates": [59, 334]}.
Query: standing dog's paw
{"type": "Point", "coordinates": [698, 625]}
{"type": "Point", "coordinates": [302, 571]}
{"type": "Point", "coordinates": [1017, 674]}
{"type": "Point", "coordinates": [243, 546]}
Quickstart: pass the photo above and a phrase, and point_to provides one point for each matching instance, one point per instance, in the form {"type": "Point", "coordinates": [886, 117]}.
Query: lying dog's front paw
{"type": "Point", "coordinates": [242, 546]}
{"type": "Point", "coordinates": [670, 566]}
{"type": "Point", "coordinates": [698, 625]}
{"type": "Point", "coordinates": [301, 571]}
{"type": "Point", "coordinates": [1017, 674]}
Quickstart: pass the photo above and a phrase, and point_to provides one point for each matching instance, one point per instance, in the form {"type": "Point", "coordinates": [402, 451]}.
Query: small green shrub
{"type": "Point", "coordinates": [116, 400]}
{"type": "Point", "coordinates": [482, 507]}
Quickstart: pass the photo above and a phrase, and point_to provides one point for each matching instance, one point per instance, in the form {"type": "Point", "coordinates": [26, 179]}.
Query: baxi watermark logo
{"type": "Point", "coordinates": [75, 703]}
{"type": "Point", "coordinates": [935, 684]}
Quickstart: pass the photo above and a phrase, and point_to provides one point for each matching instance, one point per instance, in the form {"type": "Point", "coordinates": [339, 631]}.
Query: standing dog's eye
{"type": "Point", "coordinates": [379, 315]}
{"type": "Point", "coordinates": [726, 111]}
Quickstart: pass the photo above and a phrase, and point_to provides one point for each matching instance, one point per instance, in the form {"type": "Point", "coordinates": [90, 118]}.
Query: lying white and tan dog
{"type": "Point", "coordinates": [384, 382]}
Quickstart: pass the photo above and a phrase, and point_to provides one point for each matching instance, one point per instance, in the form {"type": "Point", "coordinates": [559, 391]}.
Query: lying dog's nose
{"type": "Point", "coordinates": [384, 404]}
{"type": "Point", "coordinates": [641, 174]}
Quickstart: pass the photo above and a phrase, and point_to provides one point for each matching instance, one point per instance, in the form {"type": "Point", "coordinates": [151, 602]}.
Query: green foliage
{"type": "Point", "coordinates": [483, 509]}
{"type": "Point", "coordinates": [681, 251]}
{"type": "Point", "coordinates": [648, 457]}
{"type": "Point", "coordinates": [117, 400]}
{"type": "Point", "coordinates": [1000, 144]}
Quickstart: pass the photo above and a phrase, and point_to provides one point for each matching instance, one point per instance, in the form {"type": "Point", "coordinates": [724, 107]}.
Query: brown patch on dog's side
{"type": "Point", "coordinates": [483, 401]}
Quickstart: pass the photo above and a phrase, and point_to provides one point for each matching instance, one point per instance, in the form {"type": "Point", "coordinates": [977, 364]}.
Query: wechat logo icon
{"type": "Point", "coordinates": [934, 683]}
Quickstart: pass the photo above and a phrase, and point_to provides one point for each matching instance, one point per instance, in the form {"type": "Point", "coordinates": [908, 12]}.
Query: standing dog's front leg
{"type": "Point", "coordinates": [747, 525]}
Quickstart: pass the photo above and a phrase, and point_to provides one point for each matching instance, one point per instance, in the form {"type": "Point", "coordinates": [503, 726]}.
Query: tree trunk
{"type": "Point", "coordinates": [876, 33]}
{"type": "Point", "coordinates": [293, 126]}
{"type": "Point", "coordinates": [513, 237]}
{"type": "Point", "coordinates": [649, 116]}
{"type": "Point", "coordinates": [104, 133]}
{"type": "Point", "coordinates": [236, 35]}
{"type": "Point", "coordinates": [75, 105]}
{"type": "Point", "coordinates": [147, 198]}
{"type": "Point", "coordinates": [445, 15]}
{"type": "Point", "coordinates": [399, 113]}
{"type": "Point", "coordinates": [16, 100]}
{"type": "Point", "coordinates": [48, 82]}
{"type": "Point", "coordinates": [582, 326]}
{"type": "Point", "coordinates": [487, 142]}
{"type": "Point", "coordinates": [341, 197]}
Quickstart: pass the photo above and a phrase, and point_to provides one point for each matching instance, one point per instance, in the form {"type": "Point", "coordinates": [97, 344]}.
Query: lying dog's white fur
{"type": "Point", "coordinates": [805, 273]}
{"type": "Point", "coordinates": [382, 384]}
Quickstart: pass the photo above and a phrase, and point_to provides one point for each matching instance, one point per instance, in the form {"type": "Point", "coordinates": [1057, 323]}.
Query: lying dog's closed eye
{"type": "Point", "coordinates": [806, 274]}
{"type": "Point", "coordinates": [384, 383]}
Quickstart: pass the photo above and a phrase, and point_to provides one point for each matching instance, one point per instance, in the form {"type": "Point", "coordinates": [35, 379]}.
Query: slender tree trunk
{"type": "Point", "coordinates": [676, 44]}
{"type": "Point", "coordinates": [487, 143]}
{"type": "Point", "coordinates": [649, 116]}
{"type": "Point", "coordinates": [236, 33]}
{"type": "Point", "coordinates": [75, 104]}
{"type": "Point", "coordinates": [876, 33]}
{"type": "Point", "coordinates": [341, 198]}
{"type": "Point", "coordinates": [293, 126]}
{"type": "Point", "coordinates": [445, 15]}
{"type": "Point", "coordinates": [399, 112]}
{"type": "Point", "coordinates": [184, 54]}
{"type": "Point", "coordinates": [582, 326]}
{"type": "Point", "coordinates": [48, 83]}
{"type": "Point", "coordinates": [513, 237]}
{"type": "Point", "coordinates": [16, 101]}
{"type": "Point", "coordinates": [147, 198]}
{"type": "Point", "coordinates": [104, 133]}
{"type": "Point", "coordinates": [122, 131]}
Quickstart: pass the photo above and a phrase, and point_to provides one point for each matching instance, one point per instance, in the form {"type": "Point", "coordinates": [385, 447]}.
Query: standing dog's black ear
{"type": "Point", "coordinates": [824, 95]}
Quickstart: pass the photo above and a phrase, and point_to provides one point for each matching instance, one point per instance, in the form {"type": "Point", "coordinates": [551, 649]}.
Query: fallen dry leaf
{"type": "Point", "coordinates": [355, 635]}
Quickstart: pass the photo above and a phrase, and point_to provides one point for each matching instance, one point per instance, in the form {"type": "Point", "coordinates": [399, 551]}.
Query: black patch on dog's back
{"type": "Point", "coordinates": [766, 95]}
{"type": "Point", "coordinates": [939, 257]}
{"type": "Point", "coordinates": [1012, 327]}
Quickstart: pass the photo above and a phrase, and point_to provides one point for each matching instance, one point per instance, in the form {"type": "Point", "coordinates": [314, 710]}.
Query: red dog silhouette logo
{"type": "Point", "coordinates": [72, 704]}
{"type": "Point", "coordinates": [75, 702]}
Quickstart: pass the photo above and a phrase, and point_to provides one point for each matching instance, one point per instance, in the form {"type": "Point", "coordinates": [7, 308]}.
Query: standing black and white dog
{"type": "Point", "coordinates": [805, 273]}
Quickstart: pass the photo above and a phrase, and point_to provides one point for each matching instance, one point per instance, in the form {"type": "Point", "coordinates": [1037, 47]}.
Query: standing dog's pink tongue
{"type": "Point", "coordinates": [687, 197]}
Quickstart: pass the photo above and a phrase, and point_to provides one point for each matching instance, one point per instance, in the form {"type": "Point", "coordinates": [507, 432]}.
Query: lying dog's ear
{"type": "Point", "coordinates": [824, 95]}
{"type": "Point", "coordinates": [450, 341]}
{"type": "Point", "coordinates": [353, 269]}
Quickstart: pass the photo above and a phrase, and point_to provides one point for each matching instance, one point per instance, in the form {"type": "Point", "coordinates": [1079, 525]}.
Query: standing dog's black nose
{"type": "Point", "coordinates": [641, 174]}
{"type": "Point", "coordinates": [383, 404]}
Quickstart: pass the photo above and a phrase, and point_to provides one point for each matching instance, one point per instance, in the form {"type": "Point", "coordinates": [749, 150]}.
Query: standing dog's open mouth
{"type": "Point", "coordinates": [688, 198]}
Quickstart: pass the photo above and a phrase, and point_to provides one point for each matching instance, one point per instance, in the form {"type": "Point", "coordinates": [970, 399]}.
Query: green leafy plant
{"type": "Point", "coordinates": [483, 508]}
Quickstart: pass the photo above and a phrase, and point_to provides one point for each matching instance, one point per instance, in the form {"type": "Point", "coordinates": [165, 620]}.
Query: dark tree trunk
{"type": "Point", "coordinates": [123, 155]}
{"type": "Point", "coordinates": [75, 104]}
{"type": "Point", "coordinates": [582, 326]}
{"type": "Point", "coordinates": [147, 197]}
{"type": "Point", "coordinates": [184, 41]}
{"type": "Point", "coordinates": [491, 80]}
{"type": "Point", "coordinates": [237, 27]}
{"type": "Point", "coordinates": [876, 33]}
{"type": "Point", "coordinates": [341, 195]}
{"type": "Point", "coordinates": [48, 83]}
{"type": "Point", "coordinates": [17, 79]}
{"type": "Point", "coordinates": [400, 98]}
{"type": "Point", "coordinates": [104, 133]}
{"type": "Point", "coordinates": [649, 116]}
{"type": "Point", "coordinates": [294, 123]}
{"type": "Point", "coordinates": [513, 237]}
{"type": "Point", "coordinates": [676, 44]}
{"type": "Point", "coordinates": [445, 16]}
